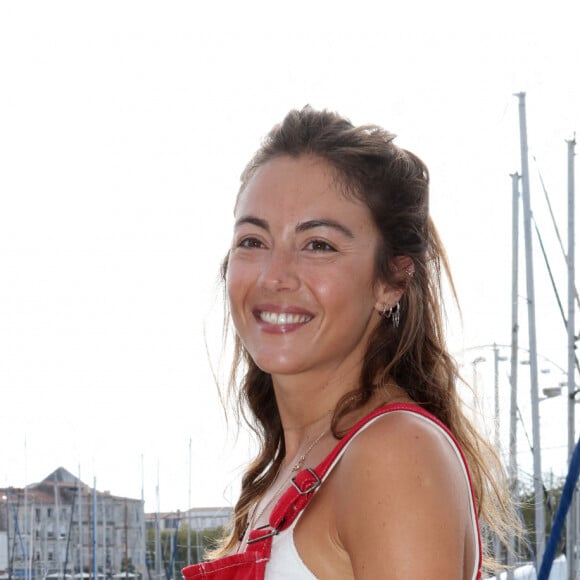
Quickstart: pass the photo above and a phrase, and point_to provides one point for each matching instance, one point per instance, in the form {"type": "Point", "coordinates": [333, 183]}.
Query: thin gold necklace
{"type": "Point", "coordinates": [296, 467]}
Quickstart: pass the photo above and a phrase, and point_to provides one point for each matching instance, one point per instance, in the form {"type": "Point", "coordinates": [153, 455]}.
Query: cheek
{"type": "Point", "coordinates": [240, 280]}
{"type": "Point", "coordinates": [353, 281]}
{"type": "Point", "coordinates": [235, 284]}
{"type": "Point", "coordinates": [345, 295]}
{"type": "Point", "coordinates": [325, 288]}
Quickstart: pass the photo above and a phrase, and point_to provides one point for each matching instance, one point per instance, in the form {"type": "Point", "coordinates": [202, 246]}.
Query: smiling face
{"type": "Point", "coordinates": [300, 279]}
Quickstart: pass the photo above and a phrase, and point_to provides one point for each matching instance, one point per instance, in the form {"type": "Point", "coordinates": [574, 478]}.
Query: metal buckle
{"type": "Point", "coordinates": [314, 485]}
{"type": "Point", "coordinates": [271, 533]}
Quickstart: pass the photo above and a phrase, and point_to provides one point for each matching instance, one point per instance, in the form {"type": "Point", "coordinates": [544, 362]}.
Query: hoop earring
{"type": "Point", "coordinates": [386, 312]}
{"type": "Point", "coordinates": [393, 312]}
{"type": "Point", "coordinates": [396, 314]}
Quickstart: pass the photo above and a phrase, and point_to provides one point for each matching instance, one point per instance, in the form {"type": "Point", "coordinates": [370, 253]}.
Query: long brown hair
{"type": "Point", "coordinates": [394, 184]}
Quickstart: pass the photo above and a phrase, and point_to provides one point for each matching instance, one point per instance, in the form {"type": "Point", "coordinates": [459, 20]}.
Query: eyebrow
{"type": "Point", "coordinates": [301, 227]}
{"type": "Point", "coordinates": [249, 219]}
{"type": "Point", "coordinates": [324, 223]}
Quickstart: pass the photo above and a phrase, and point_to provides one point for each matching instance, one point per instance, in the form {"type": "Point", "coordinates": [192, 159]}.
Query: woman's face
{"type": "Point", "coordinates": [300, 275]}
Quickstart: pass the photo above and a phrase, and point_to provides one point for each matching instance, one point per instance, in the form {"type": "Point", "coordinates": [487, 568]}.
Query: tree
{"type": "Point", "coordinates": [552, 496]}
{"type": "Point", "coordinates": [127, 565]}
{"type": "Point", "coordinates": [173, 542]}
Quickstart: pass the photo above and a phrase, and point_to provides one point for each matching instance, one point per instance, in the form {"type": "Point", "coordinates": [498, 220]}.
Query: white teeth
{"type": "Point", "coordinates": [284, 318]}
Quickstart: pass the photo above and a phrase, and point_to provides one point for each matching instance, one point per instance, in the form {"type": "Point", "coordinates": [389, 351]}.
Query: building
{"type": "Point", "coordinates": [177, 539]}
{"type": "Point", "coordinates": [3, 544]}
{"type": "Point", "coordinates": [61, 525]}
{"type": "Point", "coordinates": [197, 518]}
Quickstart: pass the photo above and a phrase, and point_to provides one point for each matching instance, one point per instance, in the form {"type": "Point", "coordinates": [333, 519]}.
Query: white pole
{"type": "Point", "coordinates": [571, 531]}
{"type": "Point", "coordinates": [513, 464]}
{"type": "Point", "coordinates": [94, 531]}
{"type": "Point", "coordinates": [157, 531]}
{"type": "Point", "coordinates": [189, 509]}
{"type": "Point", "coordinates": [143, 524]}
{"type": "Point", "coordinates": [80, 513]}
{"type": "Point", "coordinates": [57, 517]}
{"type": "Point", "coordinates": [496, 359]}
{"type": "Point", "coordinates": [27, 538]}
{"type": "Point", "coordinates": [104, 537]}
{"type": "Point", "coordinates": [496, 439]}
{"type": "Point", "coordinates": [538, 485]}
{"type": "Point", "coordinates": [31, 540]}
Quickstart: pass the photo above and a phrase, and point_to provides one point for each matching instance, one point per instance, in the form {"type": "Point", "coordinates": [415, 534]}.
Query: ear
{"type": "Point", "coordinates": [403, 269]}
{"type": "Point", "coordinates": [386, 296]}
{"type": "Point", "coordinates": [403, 265]}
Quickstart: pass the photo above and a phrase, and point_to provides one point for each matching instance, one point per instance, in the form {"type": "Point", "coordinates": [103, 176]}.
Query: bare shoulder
{"type": "Point", "coordinates": [404, 438]}
{"type": "Point", "coordinates": [404, 498]}
{"type": "Point", "coordinates": [405, 451]}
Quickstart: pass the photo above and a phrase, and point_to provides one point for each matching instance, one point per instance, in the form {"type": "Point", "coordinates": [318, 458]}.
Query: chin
{"type": "Point", "coordinates": [273, 366]}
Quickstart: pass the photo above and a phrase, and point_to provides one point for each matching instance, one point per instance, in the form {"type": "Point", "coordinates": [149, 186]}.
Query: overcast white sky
{"type": "Point", "coordinates": [123, 129]}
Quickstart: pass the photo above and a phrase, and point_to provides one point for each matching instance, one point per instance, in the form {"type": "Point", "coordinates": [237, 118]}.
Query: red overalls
{"type": "Point", "coordinates": [251, 564]}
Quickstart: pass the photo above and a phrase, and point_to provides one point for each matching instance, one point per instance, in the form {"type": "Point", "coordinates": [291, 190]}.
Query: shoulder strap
{"type": "Point", "coordinates": [307, 481]}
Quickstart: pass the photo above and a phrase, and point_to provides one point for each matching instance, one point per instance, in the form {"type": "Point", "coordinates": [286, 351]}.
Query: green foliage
{"type": "Point", "coordinates": [127, 565]}
{"type": "Point", "coordinates": [552, 496]}
{"type": "Point", "coordinates": [200, 543]}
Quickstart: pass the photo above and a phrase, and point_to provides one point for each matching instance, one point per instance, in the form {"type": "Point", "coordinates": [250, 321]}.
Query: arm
{"type": "Point", "coordinates": [405, 503]}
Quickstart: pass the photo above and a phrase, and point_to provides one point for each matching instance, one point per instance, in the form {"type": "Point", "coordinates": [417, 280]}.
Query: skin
{"type": "Point", "coordinates": [304, 301]}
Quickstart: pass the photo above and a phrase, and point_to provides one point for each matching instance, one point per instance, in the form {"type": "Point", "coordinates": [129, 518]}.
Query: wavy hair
{"type": "Point", "coordinates": [394, 184]}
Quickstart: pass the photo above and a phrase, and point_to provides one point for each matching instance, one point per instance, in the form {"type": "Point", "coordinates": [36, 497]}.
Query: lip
{"type": "Point", "coordinates": [271, 318]}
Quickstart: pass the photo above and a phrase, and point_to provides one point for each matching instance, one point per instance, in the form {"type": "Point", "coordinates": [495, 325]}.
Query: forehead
{"type": "Point", "coordinates": [292, 186]}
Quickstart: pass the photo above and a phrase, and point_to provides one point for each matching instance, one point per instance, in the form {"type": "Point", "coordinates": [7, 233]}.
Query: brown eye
{"type": "Point", "coordinates": [250, 243]}
{"type": "Point", "coordinates": [320, 246]}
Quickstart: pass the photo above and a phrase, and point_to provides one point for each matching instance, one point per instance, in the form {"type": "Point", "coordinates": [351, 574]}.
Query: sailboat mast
{"type": "Point", "coordinates": [25, 526]}
{"type": "Point", "coordinates": [94, 529]}
{"type": "Point", "coordinates": [571, 528]}
{"type": "Point", "coordinates": [31, 546]}
{"type": "Point", "coordinates": [540, 527]}
{"type": "Point", "coordinates": [189, 509]}
{"type": "Point", "coordinates": [80, 514]}
{"type": "Point", "coordinates": [126, 540]}
{"type": "Point", "coordinates": [104, 537]}
{"type": "Point", "coordinates": [57, 531]}
{"type": "Point", "coordinates": [143, 527]}
{"type": "Point", "coordinates": [513, 465]}
{"type": "Point", "coordinates": [157, 532]}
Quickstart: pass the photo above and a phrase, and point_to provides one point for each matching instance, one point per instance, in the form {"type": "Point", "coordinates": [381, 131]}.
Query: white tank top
{"type": "Point", "coordinates": [285, 562]}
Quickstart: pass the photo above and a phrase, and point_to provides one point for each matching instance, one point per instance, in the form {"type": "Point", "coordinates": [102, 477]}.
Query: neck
{"type": "Point", "coordinates": [304, 397]}
{"type": "Point", "coordinates": [299, 440]}
{"type": "Point", "coordinates": [306, 410]}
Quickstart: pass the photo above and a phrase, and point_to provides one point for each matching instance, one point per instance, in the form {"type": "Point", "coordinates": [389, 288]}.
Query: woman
{"type": "Point", "coordinates": [334, 291]}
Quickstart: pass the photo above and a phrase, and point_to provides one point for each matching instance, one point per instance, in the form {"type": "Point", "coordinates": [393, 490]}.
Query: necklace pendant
{"type": "Point", "coordinates": [299, 463]}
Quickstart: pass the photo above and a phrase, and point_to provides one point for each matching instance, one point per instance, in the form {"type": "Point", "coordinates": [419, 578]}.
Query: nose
{"type": "Point", "coordinates": [280, 271]}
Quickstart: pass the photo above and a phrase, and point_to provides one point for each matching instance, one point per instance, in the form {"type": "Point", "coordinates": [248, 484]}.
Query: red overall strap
{"type": "Point", "coordinates": [307, 481]}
